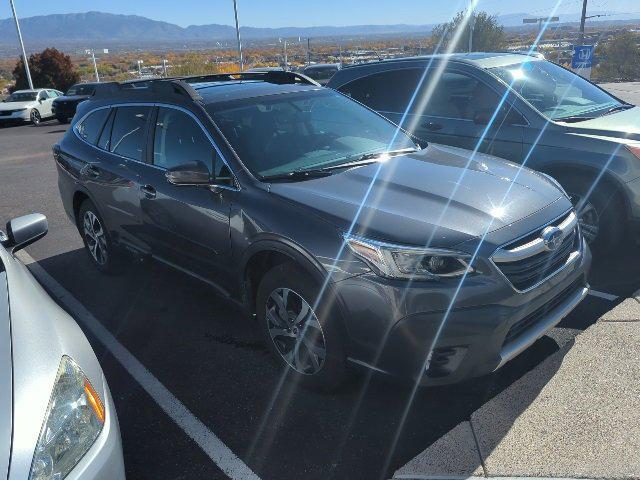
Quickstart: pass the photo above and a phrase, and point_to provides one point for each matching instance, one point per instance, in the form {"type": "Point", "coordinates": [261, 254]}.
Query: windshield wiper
{"type": "Point", "coordinates": [573, 119]}
{"type": "Point", "coordinates": [617, 108]}
{"type": "Point", "coordinates": [368, 158]}
{"type": "Point", "coordinates": [298, 175]}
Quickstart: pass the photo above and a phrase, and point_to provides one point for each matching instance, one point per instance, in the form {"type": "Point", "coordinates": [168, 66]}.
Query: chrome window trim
{"type": "Point", "coordinates": [237, 186]}
{"type": "Point", "coordinates": [573, 256]}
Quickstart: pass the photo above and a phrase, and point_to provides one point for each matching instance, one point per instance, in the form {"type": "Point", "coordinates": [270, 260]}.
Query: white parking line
{"type": "Point", "coordinates": [606, 296]}
{"type": "Point", "coordinates": [210, 444]}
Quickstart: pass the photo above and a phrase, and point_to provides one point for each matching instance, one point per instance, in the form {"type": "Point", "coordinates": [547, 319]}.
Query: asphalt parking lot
{"type": "Point", "coordinates": [209, 357]}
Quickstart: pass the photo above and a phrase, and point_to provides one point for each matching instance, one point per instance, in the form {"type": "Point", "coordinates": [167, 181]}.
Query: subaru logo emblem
{"type": "Point", "coordinates": [552, 238]}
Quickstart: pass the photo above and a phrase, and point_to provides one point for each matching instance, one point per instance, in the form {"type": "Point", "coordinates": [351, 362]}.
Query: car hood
{"type": "Point", "coordinates": [435, 194]}
{"type": "Point", "coordinates": [623, 124]}
{"type": "Point", "coordinates": [6, 377]}
{"type": "Point", "coordinates": [16, 105]}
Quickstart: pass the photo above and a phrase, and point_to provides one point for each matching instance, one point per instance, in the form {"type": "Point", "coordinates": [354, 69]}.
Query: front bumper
{"type": "Point", "coordinates": [21, 115]}
{"type": "Point", "coordinates": [103, 461]}
{"type": "Point", "coordinates": [395, 326]}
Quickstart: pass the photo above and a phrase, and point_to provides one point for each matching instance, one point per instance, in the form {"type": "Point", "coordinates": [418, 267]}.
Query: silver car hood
{"type": "Point", "coordinates": [6, 380]}
{"type": "Point", "coordinates": [41, 333]}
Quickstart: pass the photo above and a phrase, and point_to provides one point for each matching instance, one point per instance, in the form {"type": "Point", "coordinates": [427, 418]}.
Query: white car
{"type": "Point", "coordinates": [28, 105]}
{"type": "Point", "coordinates": [57, 418]}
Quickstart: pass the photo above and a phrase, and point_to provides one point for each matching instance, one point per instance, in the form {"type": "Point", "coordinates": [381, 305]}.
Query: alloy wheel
{"type": "Point", "coordinates": [35, 117]}
{"type": "Point", "coordinates": [588, 217]}
{"type": "Point", "coordinates": [95, 238]}
{"type": "Point", "coordinates": [295, 331]}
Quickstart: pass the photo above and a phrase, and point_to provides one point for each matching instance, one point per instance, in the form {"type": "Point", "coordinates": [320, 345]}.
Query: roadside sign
{"type": "Point", "coordinates": [582, 60]}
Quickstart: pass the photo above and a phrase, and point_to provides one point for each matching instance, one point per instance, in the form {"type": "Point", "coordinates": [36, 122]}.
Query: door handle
{"type": "Point", "coordinates": [148, 191]}
{"type": "Point", "coordinates": [432, 126]}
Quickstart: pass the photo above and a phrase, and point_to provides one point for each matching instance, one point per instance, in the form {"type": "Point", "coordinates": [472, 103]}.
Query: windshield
{"type": "Point", "coordinates": [278, 134]}
{"type": "Point", "coordinates": [554, 91]}
{"type": "Point", "coordinates": [22, 97]}
{"type": "Point", "coordinates": [81, 90]}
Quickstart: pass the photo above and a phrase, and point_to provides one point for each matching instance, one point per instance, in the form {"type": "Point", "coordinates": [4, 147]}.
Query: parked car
{"type": "Point", "coordinates": [346, 240]}
{"type": "Point", "coordinates": [57, 418]}
{"type": "Point", "coordinates": [64, 107]}
{"type": "Point", "coordinates": [28, 106]}
{"type": "Point", "coordinates": [524, 109]}
{"type": "Point", "coordinates": [321, 72]}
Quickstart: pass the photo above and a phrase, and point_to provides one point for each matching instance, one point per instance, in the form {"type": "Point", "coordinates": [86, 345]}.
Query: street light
{"type": "Point", "coordinates": [93, 58]}
{"type": "Point", "coordinates": [540, 20]}
{"type": "Point", "coordinates": [235, 9]}
{"type": "Point", "coordinates": [24, 54]}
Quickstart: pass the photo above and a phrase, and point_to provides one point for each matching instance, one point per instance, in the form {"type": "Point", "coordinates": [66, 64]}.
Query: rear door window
{"type": "Point", "coordinates": [104, 142]}
{"type": "Point", "coordinates": [385, 91]}
{"type": "Point", "coordinates": [128, 132]}
{"type": "Point", "coordinates": [91, 126]}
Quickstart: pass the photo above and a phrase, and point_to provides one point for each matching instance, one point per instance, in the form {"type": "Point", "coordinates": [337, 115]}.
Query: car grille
{"type": "Point", "coordinates": [527, 272]}
{"type": "Point", "coordinates": [530, 320]}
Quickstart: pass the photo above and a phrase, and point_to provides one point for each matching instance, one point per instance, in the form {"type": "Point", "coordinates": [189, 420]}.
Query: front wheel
{"type": "Point", "coordinates": [600, 212]}
{"type": "Point", "coordinates": [35, 117]}
{"type": "Point", "coordinates": [97, 241]}
{"type": "Point", "coordinates": [304, 335]}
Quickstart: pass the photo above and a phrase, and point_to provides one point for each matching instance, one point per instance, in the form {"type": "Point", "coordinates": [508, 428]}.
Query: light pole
{"type": "Point", "coordinates": [95, 65]}
{"type": "Point", "coordinates": [235, 10]}
{"type": "Point", "coordinates": [24, 54]}
{"type": "Point", "coordinates": [164, 67]}
{"type": "Point", "coordinates": [583, 18]}
{"type": "Point", "coordinates": [140, 62]}
{"type": "Point", "coordinates": [286, 59]}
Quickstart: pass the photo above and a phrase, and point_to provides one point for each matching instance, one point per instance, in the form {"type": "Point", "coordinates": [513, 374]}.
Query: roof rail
{"type": "Point", "coordinates": [162, 86]}
{"type": "Point", "coordinates": [273, 76]}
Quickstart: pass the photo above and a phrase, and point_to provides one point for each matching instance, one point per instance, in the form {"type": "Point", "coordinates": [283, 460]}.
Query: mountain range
{"type": "Point", "coordinates": [109, 29]}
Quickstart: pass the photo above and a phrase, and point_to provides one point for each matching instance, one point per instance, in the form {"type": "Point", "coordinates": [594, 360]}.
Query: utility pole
{"type": "Point", "coordinates": [140, 62]}
{"type": "Point", "coordinates": [583, 18]}
{"type": "Point", "coordinates": [24, 54]}
{"type": "Point", "coordinates": [95, 65]}
{"type": "Point", "coordinates": [235, 9]}
{"type": "Point", "coordinates": [164, 67]}
{"type": "Point", "coordinates": [308, 51]}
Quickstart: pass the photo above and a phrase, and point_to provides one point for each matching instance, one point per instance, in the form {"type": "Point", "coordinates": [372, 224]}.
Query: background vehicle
{"type": "Point", "coordinates": [57, 418]}
{"type": "Point", "coordinates": [545, 115]}
{"type": "Point", "coordinates": [64, 107]}
{"type": "Point", "coordinates": [28, 105]}
{"type": "Point", "coordinates": [321, 72]}
{"type": "Point", "coordinates": [251, 183]}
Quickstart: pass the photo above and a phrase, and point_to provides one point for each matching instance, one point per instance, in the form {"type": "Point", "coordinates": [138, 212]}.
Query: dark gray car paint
{"type": "Point", "coordinates": [305, 221]}
{"type": "Point", "coordinates": [6, 377]}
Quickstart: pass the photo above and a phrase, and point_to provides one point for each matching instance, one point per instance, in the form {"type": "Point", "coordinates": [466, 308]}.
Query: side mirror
{"type": "Point", "coordinates": [192, 173]}
{"type": "Point", "coordinates": [25, 230]}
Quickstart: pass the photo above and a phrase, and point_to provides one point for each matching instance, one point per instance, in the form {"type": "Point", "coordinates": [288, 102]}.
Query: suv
{"type": "Point", "coordinates": [349, 243]}
{"type": "Point", "coordinates": [64, 107]}
{"type": "Point", "coordinates": [526, 110]}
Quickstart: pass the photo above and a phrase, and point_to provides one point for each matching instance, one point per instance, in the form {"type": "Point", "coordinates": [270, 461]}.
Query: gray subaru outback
{"type": "Point", "coordinates": [351, 245]}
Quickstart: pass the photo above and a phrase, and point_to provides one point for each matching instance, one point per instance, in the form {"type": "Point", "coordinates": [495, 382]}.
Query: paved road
{"type": "Point", "coordinates": [208, 355]}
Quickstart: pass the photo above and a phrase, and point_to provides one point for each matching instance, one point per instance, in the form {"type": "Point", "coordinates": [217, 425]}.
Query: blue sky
{"type": "Point", "coordinates": [275, 13]}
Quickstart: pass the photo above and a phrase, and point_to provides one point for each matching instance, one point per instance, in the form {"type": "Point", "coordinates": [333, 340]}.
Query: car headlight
{"type": "Point", "coordinates": [397, 261]}
{"type": "Point", "coordinates": [74, 419]}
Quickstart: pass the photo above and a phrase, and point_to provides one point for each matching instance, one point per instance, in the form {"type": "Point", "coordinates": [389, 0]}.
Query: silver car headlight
{"type": "Point", "coordinates": [397, 261]}
{"type": "Point", "coordinates": [74, 419]}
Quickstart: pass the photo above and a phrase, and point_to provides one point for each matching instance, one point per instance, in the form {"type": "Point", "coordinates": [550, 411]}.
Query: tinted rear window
{"type": "Point", "coordinates": [90, 127]}
{"type": "Point", "coordinates": [127, 136]}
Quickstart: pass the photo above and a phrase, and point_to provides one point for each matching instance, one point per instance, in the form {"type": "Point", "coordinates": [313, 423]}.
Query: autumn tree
{"type": "Point", "coordinates": [619, 58]}
{"type": "Point", "coordinates": [488, 34]}
{"type": "Point", "coordinates": [49, 69]}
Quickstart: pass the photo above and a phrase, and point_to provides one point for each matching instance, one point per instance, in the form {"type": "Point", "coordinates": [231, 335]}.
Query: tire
{"type": "Point", "coordinates": [35, 117]}
{"type": "Point", "coordinates": [603, 208]}
{"type": "Point", "coordinates": [103, 254]}
{"type": "Point", "coordinates": [321, 360]}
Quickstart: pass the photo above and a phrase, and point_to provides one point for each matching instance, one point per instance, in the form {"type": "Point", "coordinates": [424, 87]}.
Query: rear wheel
{"type": "Point", "coordinates": [35, 117]}
{"type": "Point", "coordinates": [600, 212]}
{"type": "Point", "coordinates": [97, 241]}
{"type": "Point", "coordinates": [305, 338]}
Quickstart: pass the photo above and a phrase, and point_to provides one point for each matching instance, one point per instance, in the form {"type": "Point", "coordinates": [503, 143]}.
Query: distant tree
{"type": "Point", "coordinates": [488, 34]}
{"type": "Point", "coordinates": [49, 69]}
{"type": "Point", "coordinates": [619, 59]}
